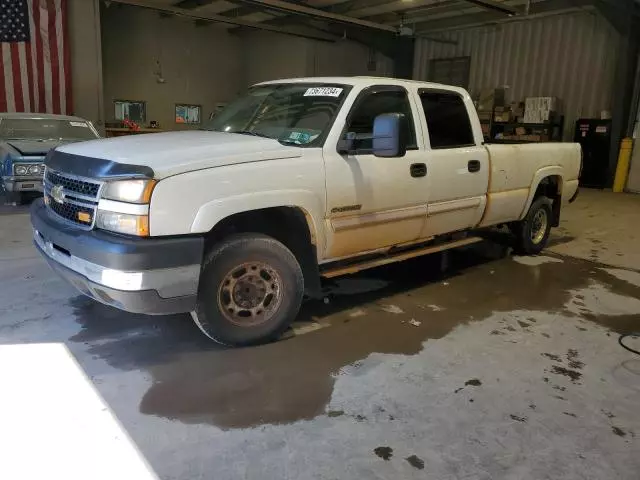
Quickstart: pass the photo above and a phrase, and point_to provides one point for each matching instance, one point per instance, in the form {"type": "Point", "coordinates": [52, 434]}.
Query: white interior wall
{"type": "Point", "coordinates": [267, 56]}
{"type": "Point", "coordinates": [199, 64]}
{"type": "Point", "coordinates": [207, 65]}
{"type": "Point", "coordinates": [86, 59]}
{"type": "Point", "coordinates": [633, 182]}
{"type": "Point", "coordinates": [271, 56]}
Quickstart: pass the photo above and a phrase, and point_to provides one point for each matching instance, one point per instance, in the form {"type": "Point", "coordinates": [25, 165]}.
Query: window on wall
{"type": "Point", "coordinates": [450, 71]}
{"type": "Point", "coordinates": [188, 114]}
{"type": "Point", "coordinates": [130, 110]}
{"type": "Point", "coordinates": [374, 103]}
{"type": "Point", "coordinates": [447, 120]}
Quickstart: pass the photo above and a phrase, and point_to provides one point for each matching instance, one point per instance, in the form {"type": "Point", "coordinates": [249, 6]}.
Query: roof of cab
{"type": "Point", "coordinates": [364, 81]}
{"type": "Point", "coordinates": [40, 116]}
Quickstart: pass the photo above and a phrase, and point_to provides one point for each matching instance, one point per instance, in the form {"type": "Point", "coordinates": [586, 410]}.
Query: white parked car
{"type": "Point", "coordinates": [297, 180]}
{"type": "Point", "coordinates": [25, 139]}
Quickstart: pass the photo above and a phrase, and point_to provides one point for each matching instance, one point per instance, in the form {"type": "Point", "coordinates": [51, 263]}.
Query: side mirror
{"type": "Point", "coordinates": [390, 132]}
{"type": "Point", "coordinates": [346, 146]}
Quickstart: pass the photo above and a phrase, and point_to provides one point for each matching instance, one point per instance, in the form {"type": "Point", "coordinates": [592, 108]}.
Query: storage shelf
{"type": "Point", "coordinates": [528, 125]}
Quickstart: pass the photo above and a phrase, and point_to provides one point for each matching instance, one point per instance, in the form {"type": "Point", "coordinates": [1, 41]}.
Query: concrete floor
{"type": "Point", "coordinates": [498, 367]}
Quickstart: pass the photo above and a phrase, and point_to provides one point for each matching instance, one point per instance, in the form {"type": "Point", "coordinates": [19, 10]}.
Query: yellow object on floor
{"type": "Point", "coordinates": [622, 170]}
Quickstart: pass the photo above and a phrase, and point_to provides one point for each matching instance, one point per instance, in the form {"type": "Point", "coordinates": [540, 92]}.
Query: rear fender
{"type": "Point", "coordinates": [539, 176]}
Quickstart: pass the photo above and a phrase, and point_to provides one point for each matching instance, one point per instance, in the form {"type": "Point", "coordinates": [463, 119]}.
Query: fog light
{"type": "Point", "coordinates": [122, 280]}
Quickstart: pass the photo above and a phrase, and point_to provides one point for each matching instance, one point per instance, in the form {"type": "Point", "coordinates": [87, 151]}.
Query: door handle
{"type": "Point", "coordinates": [474, 166]}
{"type": "Point", "coordinates": [418, 170]}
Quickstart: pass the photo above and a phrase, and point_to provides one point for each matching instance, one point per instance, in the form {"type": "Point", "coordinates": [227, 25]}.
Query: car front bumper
{"type": "Point", "coordinates": [152, 276]}
{"type": "Point", "coordinates": [23, 184]}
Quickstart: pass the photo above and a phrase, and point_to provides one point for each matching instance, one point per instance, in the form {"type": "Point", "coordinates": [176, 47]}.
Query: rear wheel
{"type": "Point", "coordinates": [251, 288]}
{"type": "Point", "coordinates": [532, 233]}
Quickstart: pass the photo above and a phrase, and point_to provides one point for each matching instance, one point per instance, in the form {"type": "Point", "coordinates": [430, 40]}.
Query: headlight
{"type": "Point", "coordinates": [123, 223]}
{"type": "Point", "coordinates": [20, 169]}
{"type": "Point", "coordinates": [131, 191]}
{"type": "Point", "coordinates": [34, 170]}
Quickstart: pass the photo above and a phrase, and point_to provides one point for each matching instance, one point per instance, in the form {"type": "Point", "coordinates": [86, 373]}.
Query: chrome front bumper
{"type": "Point", "coordinates": [23, 184]}
{"type": "Point", "coordinates": [152, 276]}
{"type": "Point", "coordinates": [168, 282]}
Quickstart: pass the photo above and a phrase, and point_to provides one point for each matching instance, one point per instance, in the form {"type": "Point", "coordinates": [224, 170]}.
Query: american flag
{"type": "Point", "coordinates": [34, 56]}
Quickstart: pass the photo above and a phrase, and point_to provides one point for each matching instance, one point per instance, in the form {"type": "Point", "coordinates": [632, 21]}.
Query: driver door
{"type": "Point", "coordinates": [373, 202]}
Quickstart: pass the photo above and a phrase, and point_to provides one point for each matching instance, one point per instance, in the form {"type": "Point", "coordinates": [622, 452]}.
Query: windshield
{"type": "Point", "coordinates": [44, 129]}
{"type": "Point", "coordinates": [292, 113]}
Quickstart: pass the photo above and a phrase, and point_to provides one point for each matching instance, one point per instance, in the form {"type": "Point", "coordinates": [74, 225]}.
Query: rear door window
{"type": "Point", "coordinates": [447, 120]}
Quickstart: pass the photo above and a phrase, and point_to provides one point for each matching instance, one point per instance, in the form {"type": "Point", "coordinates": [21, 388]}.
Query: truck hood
{"type": "Point", "coordinates": [173, 153]}
{"type": "Point", "coordinates": [33, 147]}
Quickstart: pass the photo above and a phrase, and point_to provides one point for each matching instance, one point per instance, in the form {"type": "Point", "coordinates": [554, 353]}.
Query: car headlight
{"type": "Point", "coordinates": [130, 191]}
{"type": "Point", "coordinates": [20, 169]}
{"type": "Point", "coordinates": [34, 170]}
{"type": "Point", "coordinates": [126, 223]}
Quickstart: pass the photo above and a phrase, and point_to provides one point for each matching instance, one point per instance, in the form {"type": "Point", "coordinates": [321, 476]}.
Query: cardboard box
{"type": "Point", "coordinates": [517, 109]}
{"type": "Point", "coordinates": [486, 99]}
{"type": "Point", "coordinates": [490, 98]}
{"type": "Point", "coordinates": [502, 117]}
{"type": "Point", "coordinates": [540, 109]}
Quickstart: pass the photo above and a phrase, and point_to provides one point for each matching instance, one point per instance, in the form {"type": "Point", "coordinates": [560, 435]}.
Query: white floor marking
{"type": "Point", "coordinates": [54, 424]}
{"type": "Point", "coordinates": [627, 275]}
{"type": "Point", "coordinates": [392, 309]}
{"type": "Point", "coordinates": [537, 260]}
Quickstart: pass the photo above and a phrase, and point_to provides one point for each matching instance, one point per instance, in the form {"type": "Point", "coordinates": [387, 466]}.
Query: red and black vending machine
{"type": "Point", "coordinates": [594, 136]}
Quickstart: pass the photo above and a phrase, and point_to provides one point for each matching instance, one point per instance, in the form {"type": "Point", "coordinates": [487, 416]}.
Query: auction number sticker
{"type": "Point", "coordinates": [78, 124]}
{"type": "Point", "coordinates": [323, 92]}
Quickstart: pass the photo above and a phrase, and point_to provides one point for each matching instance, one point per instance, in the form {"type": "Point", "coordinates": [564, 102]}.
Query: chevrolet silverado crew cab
{"type": "Point", "coordinates": [294, 181]}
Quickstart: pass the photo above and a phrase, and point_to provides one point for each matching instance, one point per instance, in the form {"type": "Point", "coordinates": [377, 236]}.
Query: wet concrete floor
{"type": "Point", "coordinates": [434, 367]}
{"type": "Point", "coordinates": [369, 312]}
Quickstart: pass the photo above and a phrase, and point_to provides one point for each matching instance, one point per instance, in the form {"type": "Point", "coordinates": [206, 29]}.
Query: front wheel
{"type": "Point", "coordinates": [532, 233]}
{"type": "Point", "coordinates": [251, 288]}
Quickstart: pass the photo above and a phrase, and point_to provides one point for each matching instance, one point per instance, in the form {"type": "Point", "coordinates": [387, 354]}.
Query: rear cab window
{"type": "Point", "coordinates": [447, 119]}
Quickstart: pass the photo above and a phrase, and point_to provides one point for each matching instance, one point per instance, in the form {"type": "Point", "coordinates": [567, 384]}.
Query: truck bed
{"type": "Point", "coordinates": [514, 166]}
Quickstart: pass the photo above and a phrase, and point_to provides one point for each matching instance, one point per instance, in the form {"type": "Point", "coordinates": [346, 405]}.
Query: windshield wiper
{"type": "Point", "coordinates": [252, 133]}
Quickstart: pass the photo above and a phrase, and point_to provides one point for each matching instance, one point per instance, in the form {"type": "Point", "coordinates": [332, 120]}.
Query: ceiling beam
{"type": "Point", "coordinates": [295, 9]}
{"type": "Point", "coordinates": [414, 15]}
{"type": "Point", "coordinates": [466, 21]}
{"type": "Point", "coordinates": [293, 31]}
{"type": "Point", "coordinates": [495, 6]}
{"type": "Point", "coordinates": [191, 4]}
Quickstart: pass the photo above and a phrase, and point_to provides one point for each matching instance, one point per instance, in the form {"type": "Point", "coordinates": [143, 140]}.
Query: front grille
{"type": "Point", "coordinates": [73, 212]}
{"type": "Point", "coordinates": [79, 200]}
{"type": "Point", "coordinates": [75, 185]}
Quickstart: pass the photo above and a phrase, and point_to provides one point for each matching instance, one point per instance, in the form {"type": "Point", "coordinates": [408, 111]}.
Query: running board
{"type": "Point", "coordinates": [397, 257]}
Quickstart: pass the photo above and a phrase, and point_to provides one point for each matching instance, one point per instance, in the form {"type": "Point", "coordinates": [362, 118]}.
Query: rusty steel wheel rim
{"type": "Point", "coordinates": [250, 294]}
{"type": "Point", "coordinates": [539, 226]}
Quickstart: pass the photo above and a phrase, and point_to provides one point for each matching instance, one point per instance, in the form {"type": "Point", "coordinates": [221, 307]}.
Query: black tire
{"type": "Point", "coordinates": [270, 269]}
{"type": "Point", "coordinates": [531, 237]}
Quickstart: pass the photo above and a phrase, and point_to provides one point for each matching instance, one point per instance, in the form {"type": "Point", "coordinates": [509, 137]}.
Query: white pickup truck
{"type": "Point", "coordinates": [297, 180]}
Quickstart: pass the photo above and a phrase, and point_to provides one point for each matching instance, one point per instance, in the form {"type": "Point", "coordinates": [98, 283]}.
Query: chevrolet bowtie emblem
{"type": "Point", "coordinates": [57, 193]}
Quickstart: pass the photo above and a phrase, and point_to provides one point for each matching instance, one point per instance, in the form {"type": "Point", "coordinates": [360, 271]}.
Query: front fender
{"type": "Point", "coordinates": [540, 175]}
{"type": "Point", "coordinates": [211, 213]}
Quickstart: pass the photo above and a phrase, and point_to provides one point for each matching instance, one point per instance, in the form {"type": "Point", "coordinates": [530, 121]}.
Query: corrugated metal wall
{"type": "Point", "coordinates": [571, 56]}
